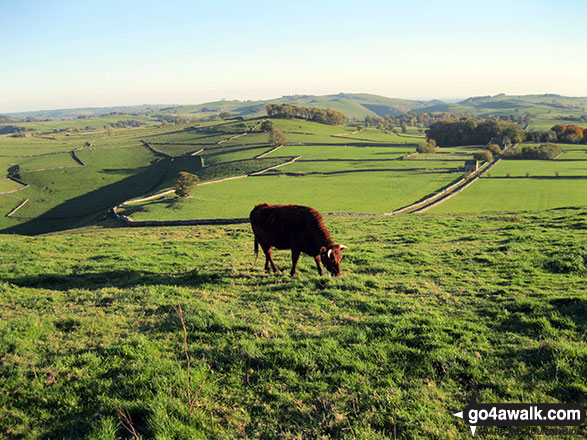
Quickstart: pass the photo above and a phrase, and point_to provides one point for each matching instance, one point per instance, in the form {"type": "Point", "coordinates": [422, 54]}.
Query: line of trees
{"type": "Point", "coordinates": [321, 115]}
{"type": "Point", "coordinates": [546, 151]}
{"type": "Point", "coordinates": [473, 132]}
{"type": "Point", "coordinates": [423, 120]}
{"type": "Point", "coordinates": [125, 124]}
{"type": "Point", "coordinates": [566, 134]}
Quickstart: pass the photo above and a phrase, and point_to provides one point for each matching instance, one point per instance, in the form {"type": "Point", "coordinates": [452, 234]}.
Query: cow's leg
{"type": "Point", "coordinates": [269, 255]}
{"type": "Point", "coordinates": [295, 255]}
{"type": "Point", "coordinates": [267, 268]}
{"type": "Point", "coordinates": [267, 252]}
{"type": "Point", "coordinates": [317, 259]}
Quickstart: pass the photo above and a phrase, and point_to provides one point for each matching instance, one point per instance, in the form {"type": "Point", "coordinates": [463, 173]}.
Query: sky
{"type": "Point", "coordinates": [65, 54]}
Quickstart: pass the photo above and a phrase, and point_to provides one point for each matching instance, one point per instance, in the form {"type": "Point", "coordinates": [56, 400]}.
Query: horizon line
{"type": "Point", "coordinates": [428, 98]}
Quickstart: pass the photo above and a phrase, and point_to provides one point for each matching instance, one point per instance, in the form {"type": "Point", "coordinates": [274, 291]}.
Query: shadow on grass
{"type": "Point", "coordinates": [116, 278]}
{"type": "Point", "coordinates": [86, 208]}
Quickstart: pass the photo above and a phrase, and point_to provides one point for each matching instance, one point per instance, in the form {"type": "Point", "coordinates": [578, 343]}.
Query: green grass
{"type": "Point", "coordinates": [429, 310]}
{"type": "Point", "coordinates": [574, 152]}
{"type": "Point", "coordinates": [176, 150]}
{"type": "Point", "coordinates": [43, 162]}
{"type": "Point", "coordinates": [241, 153]}
{"type": "Point", "coordinates": [517, 194]}
{"type": "Point", "coordinates": [343, 151]}
{"type": "Point", "coordinates": [106, 180]}
{"type": "Point", "coordinates": [7, 185]}
{"type": "Point", "coordinates": [534, 168]}
{"type": "Point", "coordinates": [333, 166]}
{"type": "Point", "coordinates": [339, 192]}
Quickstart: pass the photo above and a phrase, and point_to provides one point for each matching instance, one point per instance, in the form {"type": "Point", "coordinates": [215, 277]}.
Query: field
{"type": "Point", "coordinates": [109, 332]}
{"type": "Point", "coordinates": [337, 163]}
{"type": "Point", "coordinates": [527, 185]}
{"type": "Point", "coordinates": [339, 192]}
{"type": "Point", "coordinates": [77, 176]}
{"type": "Point", "coordinates": [335, 168]}
{"type": "Point", "coordinates": [429, 309]}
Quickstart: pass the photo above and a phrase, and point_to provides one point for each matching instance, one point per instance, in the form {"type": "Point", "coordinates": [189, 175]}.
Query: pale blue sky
{"type": "Point", "coordinates": [101, 53]}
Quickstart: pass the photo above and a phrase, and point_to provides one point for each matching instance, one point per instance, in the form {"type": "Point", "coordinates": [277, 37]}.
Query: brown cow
{"type": "Point", "coordinates": [298, 228]}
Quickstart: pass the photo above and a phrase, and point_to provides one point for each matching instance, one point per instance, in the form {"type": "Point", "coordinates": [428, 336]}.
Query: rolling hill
{"type": "Point", "coordinates": [353, 105]}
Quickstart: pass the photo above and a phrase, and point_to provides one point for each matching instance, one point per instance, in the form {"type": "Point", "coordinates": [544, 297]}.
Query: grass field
{"type": "Point", "coordinates": [534, 168]}
{"type": "Point", "coordinates": [341, 168]}
{"type": "Point", "coordinates": [429, 309]}
{"type": "Point", "coordinates": [338, 192]}
{"type": "Point", "coordinates": [7, 185]}
{"type": "Point", "coordinates": [107, 179]}
{"type": "Point", "coordinates": [517, 194]}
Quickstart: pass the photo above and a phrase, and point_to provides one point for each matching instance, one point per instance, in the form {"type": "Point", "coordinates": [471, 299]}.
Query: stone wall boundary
{"type": "Point", "coordinates": [20, 205]}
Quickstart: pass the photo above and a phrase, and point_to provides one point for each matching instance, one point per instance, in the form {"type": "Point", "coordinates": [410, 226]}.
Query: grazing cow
{"type": "Point", "coordinates": [298, 228]}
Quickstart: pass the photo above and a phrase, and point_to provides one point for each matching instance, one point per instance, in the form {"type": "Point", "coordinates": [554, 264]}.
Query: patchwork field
{"type": "Point", "coordinates": [527, 185]}
{"type": "Point", "coordinates": [336, 168]}
{"type": "Point", "coordinates": [99, 323]}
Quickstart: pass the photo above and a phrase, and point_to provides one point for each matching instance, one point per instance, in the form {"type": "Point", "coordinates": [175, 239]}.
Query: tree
{"type": "Point", "coordinates": [276, 137]}
{"type": "Point", "coordinates": [483, 156]}
{"type": "Point", "coordinates": [266, 126]}
{"type": "Point", "coordinates": [321, 115]}
{"type": "Point", "coordinates": [495, 149]}
{"type": "Point", "coordinates": [225, 115]}
{"type": "Point", "coordinates": [184, 183]}
{"type": "Point", "coordinates": [426, 147]}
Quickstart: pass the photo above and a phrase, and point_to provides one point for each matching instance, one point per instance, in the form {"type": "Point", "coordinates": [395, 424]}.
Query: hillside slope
{"type": "Point", "coordinates": [547, 104]}
{"type": "Point", "coordinates": [428, 311]}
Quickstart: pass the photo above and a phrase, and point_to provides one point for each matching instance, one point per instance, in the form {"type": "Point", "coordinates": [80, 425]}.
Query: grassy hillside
{"type": "Point", "coordinates": [76, 177]}
{"type": "Point", "coordinates": [549, 107]}
{"type": "Point", "coordinates": [429, 310]}
{"type": "Point", "coordinates": [354, 105]}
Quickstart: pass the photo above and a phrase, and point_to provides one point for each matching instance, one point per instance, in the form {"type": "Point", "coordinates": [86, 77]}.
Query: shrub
{"type": "Point", "coordinates": [546, 151]}
{"type": "Point", "coordinates": [266, 125]}
{"type": "Point", "coordinates": [483, 156]}
{"type": "Point", "coordinates": [184, 183]}
{"type": "Point", "coordinates": [426, 147]}
{"type": "Point", "coordinates": [495, 149]}
{"type": "Point", "coordinates": [14, 171]}
{"type": "Point", "coordinates": [276, 137]}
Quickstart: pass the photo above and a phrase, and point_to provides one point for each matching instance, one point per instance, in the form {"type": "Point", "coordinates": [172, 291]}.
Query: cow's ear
{"type": "Point", "coordinates": [323, 249]}
{"type": "Point", "coordinates": [342, 247]}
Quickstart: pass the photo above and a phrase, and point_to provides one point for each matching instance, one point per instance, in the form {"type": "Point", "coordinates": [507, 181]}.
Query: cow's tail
{"type": "Point", "coordinates": [256, 250]}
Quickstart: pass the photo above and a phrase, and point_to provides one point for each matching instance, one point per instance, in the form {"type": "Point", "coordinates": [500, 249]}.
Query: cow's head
{"type": "Point", "coordinates": [331, 256]}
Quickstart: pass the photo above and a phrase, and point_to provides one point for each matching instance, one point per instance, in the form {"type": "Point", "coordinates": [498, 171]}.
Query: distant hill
{"type": "Point", "coordinates": [356, 105]}
{"type": "Point", "coordinates": [70, 113]}
{"type": "Point", "coordinates": [353, 105]}
{"type": "Point", "coordinates": [517, 104]}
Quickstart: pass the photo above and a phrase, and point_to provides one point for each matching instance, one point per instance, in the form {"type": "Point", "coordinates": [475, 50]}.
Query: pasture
{"type": "Point", "coordinates": [516, 194]}
{"type": "Point", "coordinates": [429, 309]}
{"type": "Point", "coordinates": [527, 185]}
{"type": "Point", "coordinates": [337, 192]}
{"type": "Point", "coordinates": [338, 168]}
